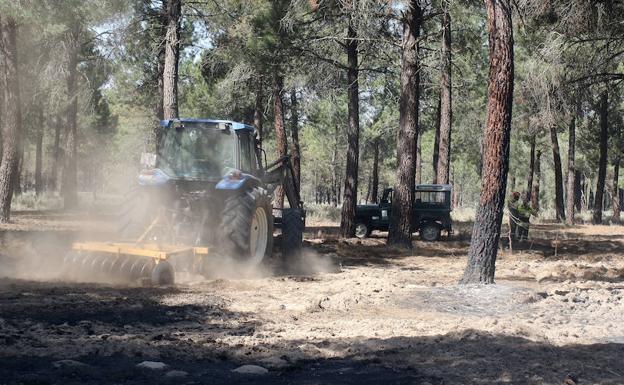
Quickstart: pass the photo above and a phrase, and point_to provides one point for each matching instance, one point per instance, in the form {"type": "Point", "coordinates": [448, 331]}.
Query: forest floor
{"type": "Point", "coordinates": [362, 313]}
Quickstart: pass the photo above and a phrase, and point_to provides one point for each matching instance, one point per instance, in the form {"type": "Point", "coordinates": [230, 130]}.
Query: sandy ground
{"type": "Point", "coordinates": [363, 313]}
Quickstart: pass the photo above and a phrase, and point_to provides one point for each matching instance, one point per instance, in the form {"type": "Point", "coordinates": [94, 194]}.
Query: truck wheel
{"type": "Point", "coordinates": [246, 229]}
{"type": "Point", "coordinates": [430, 232]}
{"type": "Point", "coordinates": [292, 233]}
{"type": "Point", "coordinates": [362, 230]}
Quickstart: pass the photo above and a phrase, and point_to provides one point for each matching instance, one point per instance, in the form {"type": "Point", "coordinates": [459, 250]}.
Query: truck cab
{"type": "Point", "coordinates": [431, 214]}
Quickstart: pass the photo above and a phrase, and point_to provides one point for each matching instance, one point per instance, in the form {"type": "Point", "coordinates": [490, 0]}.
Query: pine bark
{"type": "Point", "coordinates": [571, 171]}
{"type": "Point", "coordinates": [69, 189]}
{"type": "Point", "coordinates": [349, 201]}
{"type": "Point", "coordinates": [11, 113]}
{"type": "Point", "coordinates": [559, 205]}
{"type": "Point", "coordinates": [56, 161]}
{"type": "Point", "coordinates": [529, 188]}
{"type": "Point", "coordinates": [280, 130]}
{"type": "Point", "coordinates": [159, 70]}
{"type": "Point", "coordinates": [172, 57]}
{"type": "Point", "coordinates": [444, 151]}
{"type": "Point", "coordinates": [335, 188]}
{"type": "Point", "coordinates": [578, 190]}
{"type": "Point", "coordinates": [375, 173]}
{"type": "Point", "coordinates": [602, 162]}
{"type": "Point", "coordinates": [258, 108]}
{"type": "Point", "coordinates": [418, 159]}
{"type": "Point", "coordinates": [535, 192]}
{"type": "Point", "coordinates": [39, 152]}
{"type": "Point", "coordinates": [615, 197]}
{"type": "Point", "coordinates": [436, 141]}
{"type": "Point", "coordinates": [486, 230]}
{"type": "Point", "coordinates": [295, 148]}
{"type": "Point", "coordinates": [400, 231]}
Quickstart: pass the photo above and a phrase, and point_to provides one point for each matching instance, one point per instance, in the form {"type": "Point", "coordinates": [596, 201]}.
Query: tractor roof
{"type": "Point", "coordinates": [234, 125]}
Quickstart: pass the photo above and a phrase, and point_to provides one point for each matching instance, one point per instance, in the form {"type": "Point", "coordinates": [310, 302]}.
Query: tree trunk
{"type": "Point", "coordinates": [444, 157]}
{"type": "Point", "coordinates": [172, 57]}
{"type": "Point", "coordinates": [615, 198]}
{"type": "Point", "coordinates": [436, 141]}
{"type": "Point", "coordinates": [335, 172]}
{"type": "Point", "coordinates": [349, 201]}
{"type": "Point", "coordinates": [418, 159]}
{"type": "Point", "coordinates": [258, 108]}
{"type": "Point", "coordinates": [375, 177]}
{"type": "Point", "coordinates": [400, 231]}
{"type": "Point", "coordinates": [535, 205]}
{"type": "Point", "coordinates": [11, 113]}
{"type": "Point", "coordinates": [602, 162]}
{"type": "Point", "coordinates": [578, 190]}
{"type": "Point", "coordinates": [69, 188]}
{"type": "Point", "coordinates": [19, 167]}
{"type": "Point", "coordinates": [39, 151]}
{"type": "Point", "coordinates": [295, 149]}
{"type": "Point", "coordinates": [529, 188]}
{"type": "Point", "coordinates": [56, 153]}
{"type": "Point", "coordinates": [571, 171]}
{"type": "Point", "coordinates": [280, 131]}
{"type": "Point", "coordinates": [559, 205]}
{"type": "Point", "coordinates": [159, 70]}
{"type": "Point", "coordinates": [486, 231]}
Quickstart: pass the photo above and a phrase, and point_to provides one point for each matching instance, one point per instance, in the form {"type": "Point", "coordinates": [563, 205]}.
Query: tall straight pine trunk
{"type": "Point", "coordinates": [400, 232]}
{"type": "Point", "coordinates": [159, 108]}
{"type": "Point", "coordinates": [69, 188]}
{"type": "Point", "coordinates": [529, 188]}
{"type": "Point", "coordinates": [535, 191]}
{"type": "Point", "coordinates": [375, 173]}
{"type": "Point", "coordinates": [602, 162]}
{"type": "Point", "coordinates": [347, 220]}
{"type": "Point", "coordinates": [486, 230]}
{"type": "Point", "coordinates": [559, 206]}
{"type": "Point", "coordinates": [615, 197]}
{"type": "Point", "coordinates": [436, 142]}
{"type": "Point", "coordinates": [39, 151]}
{"type": "Point", "coordinates": [295, 148]}
{"type": "Point", "coordinates": [280, 130]}
{"type": "Point", "coordinates": [571, 171]}
{"type": "Point", "coordinates": [172, 58]}
{"type": "Point", "coordinates": [10, 112]}
{"type": "Point", "coordinates": [444, 150]}
{"type": "Point", "coordinates": [259, 107]}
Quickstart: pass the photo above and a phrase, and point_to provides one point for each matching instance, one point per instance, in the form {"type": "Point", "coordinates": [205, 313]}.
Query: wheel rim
{"type": "Point", "coordinates": [258, 235]}
{"type": "Point", "coordinates": [360, 230]}
{"type": "Point", "coordinates": [430, 232]}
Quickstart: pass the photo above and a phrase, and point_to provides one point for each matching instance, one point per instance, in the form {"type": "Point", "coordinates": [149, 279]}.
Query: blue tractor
{"type": "Point", "coordinates": [207, 191]}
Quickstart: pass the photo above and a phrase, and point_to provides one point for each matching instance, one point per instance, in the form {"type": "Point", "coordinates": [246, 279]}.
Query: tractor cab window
{"type": "Point", "coordinates": [244, 148]}
{"type": "Point", "coordinates": [196, 151]}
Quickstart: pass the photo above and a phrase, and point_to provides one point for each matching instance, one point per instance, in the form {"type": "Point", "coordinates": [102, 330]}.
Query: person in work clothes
{"type": "Point", "coordinates": [519, 217]}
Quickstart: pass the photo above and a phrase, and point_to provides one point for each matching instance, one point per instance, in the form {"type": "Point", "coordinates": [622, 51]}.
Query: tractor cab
{"type": "Point", "coordinates": [202, 150]}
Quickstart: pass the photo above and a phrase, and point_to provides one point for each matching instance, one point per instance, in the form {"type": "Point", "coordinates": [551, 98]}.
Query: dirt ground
{"type": "Point", "coordinates": [362, 313]}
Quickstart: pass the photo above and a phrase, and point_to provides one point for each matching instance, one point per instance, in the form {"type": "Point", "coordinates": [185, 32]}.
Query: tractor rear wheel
{"type": "Point", "coordinates": [246, 230]}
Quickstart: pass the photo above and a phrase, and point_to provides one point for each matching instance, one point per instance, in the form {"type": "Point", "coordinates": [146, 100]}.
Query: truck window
{"type": "Point", "coordinates": [430, 197]}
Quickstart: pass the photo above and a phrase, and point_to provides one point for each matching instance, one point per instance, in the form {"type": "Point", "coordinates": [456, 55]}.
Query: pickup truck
{"type": "Point", "coordinates": [431, 214]}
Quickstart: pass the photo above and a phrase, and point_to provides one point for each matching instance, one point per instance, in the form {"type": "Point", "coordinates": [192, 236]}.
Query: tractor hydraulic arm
{"type": "Point", "coordinates": [281, 173]}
